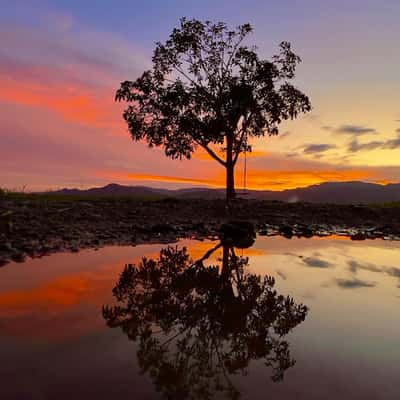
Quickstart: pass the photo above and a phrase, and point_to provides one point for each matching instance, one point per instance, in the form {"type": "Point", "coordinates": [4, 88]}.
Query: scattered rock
{"type": "Point", "coordinates": [199, 228]}
{"type": "Point", "coordinates": [286, 231]}
{"type": "Point", "coordinates": [40, 227]}
{"type": "Point", "coordinates": [358, 236]}
{"type": "Point", "coordinates": [18, 257]}
{"type": "Point", "coordinates": [6, 247]}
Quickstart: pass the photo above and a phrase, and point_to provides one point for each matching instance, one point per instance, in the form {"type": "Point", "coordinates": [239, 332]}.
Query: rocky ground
{"type": "Point", "coordinates": [35, 227]}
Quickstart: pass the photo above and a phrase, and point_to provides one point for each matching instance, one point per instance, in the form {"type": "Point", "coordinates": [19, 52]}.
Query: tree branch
{"type": "Point", "coordinates": [235, 47]}
{"type": "Point", "coordinates": [211, 153]}
{"type": "Point", "coordinates": [237, 152]}
{"type": "Point", "coordinates": [244, 131]}
{"type": "Point", "coordinates": [207, 255]}
{"type": "Point", "coordinates": [188, 78]}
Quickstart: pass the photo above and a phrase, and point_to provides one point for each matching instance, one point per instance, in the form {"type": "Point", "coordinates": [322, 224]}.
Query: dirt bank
{"type": "Point", "coordinates": [34, 227]}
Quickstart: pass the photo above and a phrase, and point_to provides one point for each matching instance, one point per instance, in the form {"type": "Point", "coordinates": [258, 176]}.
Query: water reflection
{"type": "Point", "coordinates": [197, 325]}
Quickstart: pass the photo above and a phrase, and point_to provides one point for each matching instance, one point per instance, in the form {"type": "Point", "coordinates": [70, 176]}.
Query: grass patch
{"type": "Point", "coordinates": [54, 197]}
{"type": "Point", "coordinates": [390, 204]}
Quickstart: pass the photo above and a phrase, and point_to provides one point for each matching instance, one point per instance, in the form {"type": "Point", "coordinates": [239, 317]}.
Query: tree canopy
{"type": "Point", "coordinates": [208, 88]}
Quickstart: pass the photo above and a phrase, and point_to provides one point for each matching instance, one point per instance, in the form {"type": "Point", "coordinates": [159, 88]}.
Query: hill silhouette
{"type": "Point", "coordinates": [328, 192]}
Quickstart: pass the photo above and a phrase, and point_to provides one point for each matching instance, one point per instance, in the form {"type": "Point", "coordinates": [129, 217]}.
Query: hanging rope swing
{"type": "Point", "coordinates": [245, 169]}
{"type": "Point", "coordinates": [245, 172]}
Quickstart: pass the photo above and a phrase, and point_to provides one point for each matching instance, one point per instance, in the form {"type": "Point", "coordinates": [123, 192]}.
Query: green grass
{"type": "Point", "coordinates": [49, 196]}
{"type": "Point", "coordinates": [391, 204]}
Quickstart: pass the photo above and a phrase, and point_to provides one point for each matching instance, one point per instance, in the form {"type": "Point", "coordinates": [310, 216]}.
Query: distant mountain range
{"type": "Point", "coordinates": [329, 192]}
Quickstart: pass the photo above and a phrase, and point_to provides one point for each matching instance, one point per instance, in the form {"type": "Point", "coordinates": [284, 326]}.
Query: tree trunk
{"type": "Point", "coordinates": [230, 177]}
{"type": "Point", "coordinates": [225, 271]}
{"type": "Point", "coordinates": [230, 183]}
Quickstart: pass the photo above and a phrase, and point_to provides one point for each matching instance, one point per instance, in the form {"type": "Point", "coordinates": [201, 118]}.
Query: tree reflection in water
{"type": "Point", "coordinates": [196, 325]}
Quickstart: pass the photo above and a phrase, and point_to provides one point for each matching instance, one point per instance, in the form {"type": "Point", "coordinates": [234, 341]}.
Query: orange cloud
{"type": "Point", "coordinates": [174, 179]}
{"type": "Point", "coordinates": [203, 155]}
{"type": "Point", "coordinates": [256, 178]}
{"type": "Point", "coordinates": [123, 176]}
{"type": "Point", "coordinates": [74, 101]}
{"type": "Point", "coordinates": [281, 179]}
{"type": "Point", "coordinates": [384, 181]}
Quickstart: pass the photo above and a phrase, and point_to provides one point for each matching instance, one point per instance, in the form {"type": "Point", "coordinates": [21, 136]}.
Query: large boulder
{"type": "Point", "coordinates": [240, 234]}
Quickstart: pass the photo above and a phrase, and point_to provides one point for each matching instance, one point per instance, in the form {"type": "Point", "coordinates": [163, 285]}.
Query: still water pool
{"type": "Point", "coordinates": [326, 325]}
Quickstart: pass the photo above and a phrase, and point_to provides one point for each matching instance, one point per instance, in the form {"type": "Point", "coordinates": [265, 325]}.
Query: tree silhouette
{"type": "Point", "coordinates": [208, 89]}
{"type": "Point", "coordinates": [197, 325]}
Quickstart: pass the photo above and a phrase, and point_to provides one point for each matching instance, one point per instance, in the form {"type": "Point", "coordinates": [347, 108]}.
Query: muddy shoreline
{"type": "Point", "coordinates": [36, 227]}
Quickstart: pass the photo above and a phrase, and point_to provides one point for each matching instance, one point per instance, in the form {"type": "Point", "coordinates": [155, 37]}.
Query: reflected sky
{"type": "Point", "coordinates": [198, 326]}
{"type": "Point", "coordinates": [54, 341]}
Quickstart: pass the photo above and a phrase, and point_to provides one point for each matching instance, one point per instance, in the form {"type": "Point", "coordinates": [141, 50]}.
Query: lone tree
{"type": "Point", "coordinates": [208, 89]}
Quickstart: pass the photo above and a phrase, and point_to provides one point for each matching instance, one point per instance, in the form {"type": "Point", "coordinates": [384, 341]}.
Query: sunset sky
{"type": "Point", "coordinates": [61, 62]}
